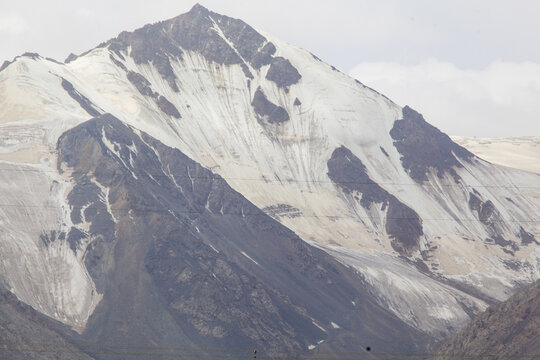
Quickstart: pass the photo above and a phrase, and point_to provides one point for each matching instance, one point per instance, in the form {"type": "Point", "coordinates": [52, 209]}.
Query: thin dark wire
{"type": "Point", "coordinates": [148, 210]}
{"type": "Point", "coordinates": [373, 183]}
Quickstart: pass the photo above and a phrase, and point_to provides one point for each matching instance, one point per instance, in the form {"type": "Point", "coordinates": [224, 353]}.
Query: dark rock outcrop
{"type": "Point", "coordinates": [31, 55]}
{"type": "Point", "coordinates": [118, 63]}
{"type": "Point", "coordinates": [424, 147]}
{"type": "Point", "coordinates": [283, 73]}
{"type": "Point", "coordinates": [268, 111]}
{"type": "Point", "coordinates": [199, 30]}
{"type": "Point", "coordinates": [167, 107]}
{"type": "Point", "coordinates": [5, 64]}
{"type": "Point", "coordinates": [144, 87]}
{"type": "Point", "coordinates": [484, 210]}
{"type": "Point", "coordinates": [490, 217]}
{"type": "Point", "coordinates": [526, 237]}
{"type": "Point", "coordinates": [263, 57]}
{"type": "Point", "coordinates": [49, 237]}
{"type": "Point", "coordinates": [403, 224]}
{"type": "Point", "coordinates": [140, 82]}
{"type": "Point", "coordinates": [507, 330]}
{"type": "Point", "coordinates": [83, 101]}
{"type": "Point", "coordinates": [70, 58]}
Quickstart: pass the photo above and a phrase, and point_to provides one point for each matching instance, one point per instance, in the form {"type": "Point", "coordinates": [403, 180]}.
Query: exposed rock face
{"type": "Point", "coordinates": [144, 87]}
{"type": "Point", "coordinates": [423, 147]}
{"type": "Point", "coordinates": [490, 217]}
{"type": "Point", "coordinates": [5, 64]}
{"type": "Point", "coordinates": [149, 44]}
{"type": "Point", "coordinates": [173, 247]}
{"type": "Point", "coordinates": [140, 83]}
{"type": "Point", "coordinates": [70, 58]}
{"type": "Point", "coordinates": [218, 38]}
{"type": "Point", "coordinates": [167, 107]}
{"type": "Point", "coordinates": [526, 237]}
{"type": "Point", "coordinates": [283, 73]}
{"type": "Point", "coordinates": [264, 56]}
{"type": "Point", "coordinates": [200, 30]}
{"type": "Point", "coordinates": [83, 101]}
{"type": "Point", "coordinates": [93, 225]}
{"type": "Point", "coordinates": [484, 210]}
{"type": "Point", "coordinates": [268, 111]}
{"type": "Point", "coordinates": [118, 63]}
{"type": "Point", "coordinates": [402, 223]}
{"type": "Point", "coordinates": [504, 331]}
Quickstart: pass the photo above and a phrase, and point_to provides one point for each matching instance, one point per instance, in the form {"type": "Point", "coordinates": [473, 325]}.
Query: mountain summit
{"type": "Point", "coordinates": [197, 183]}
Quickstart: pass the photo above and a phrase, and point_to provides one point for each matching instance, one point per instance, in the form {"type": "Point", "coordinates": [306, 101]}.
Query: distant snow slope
{"type": "Point", "coordinates": [515, 152]}
{"type": "Point", "coordinates": [464, 228]}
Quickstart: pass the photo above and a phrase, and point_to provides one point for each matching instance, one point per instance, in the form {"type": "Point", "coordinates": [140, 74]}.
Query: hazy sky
{"type": "Point", "coordinates": [471, 67]}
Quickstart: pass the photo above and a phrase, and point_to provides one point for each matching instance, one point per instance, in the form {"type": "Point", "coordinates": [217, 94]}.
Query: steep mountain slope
{"type": "Point", "coordinates": [504, 331]}
{"type": "Point", "coordinates": [436, 233]}
{"type": "Point", "coordinates": [178, 258]}
{"type": "Point", "coordinates": [517, 152]}
{"type": "Point", "coordinates": [182, 259]}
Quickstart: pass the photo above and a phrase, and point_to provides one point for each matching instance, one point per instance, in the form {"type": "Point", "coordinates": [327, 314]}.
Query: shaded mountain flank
{"type": "Point", "coordinates": [184, 260]}
{"type": "Point", "coordinates": [508, 330]}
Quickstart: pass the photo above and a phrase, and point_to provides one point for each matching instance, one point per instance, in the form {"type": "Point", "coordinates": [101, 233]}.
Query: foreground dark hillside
{"type": "Point", "coordinates": [507, 330]}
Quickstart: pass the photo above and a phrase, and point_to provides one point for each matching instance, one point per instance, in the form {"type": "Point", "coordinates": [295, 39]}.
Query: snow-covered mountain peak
{"type": "Point", "coordinates": [336, 162]}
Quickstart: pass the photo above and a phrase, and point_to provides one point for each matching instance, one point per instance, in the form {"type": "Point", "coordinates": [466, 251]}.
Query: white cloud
{"type": "Point", "coordinates": [12, 24]}
{"type": "Point", "coordinates": [501, 99]}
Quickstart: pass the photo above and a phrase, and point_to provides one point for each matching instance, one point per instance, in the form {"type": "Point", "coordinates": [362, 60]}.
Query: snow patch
{"type": "Point", "coordinates": [249, 257]}
{"type": "Point", "coordinates": [213, 248]}
{"type": "Point", "coordinates": [318, 325]}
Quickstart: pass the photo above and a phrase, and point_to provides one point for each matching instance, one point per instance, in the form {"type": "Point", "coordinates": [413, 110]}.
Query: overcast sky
{"type": "Point", "coordinates": [471, 67]}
